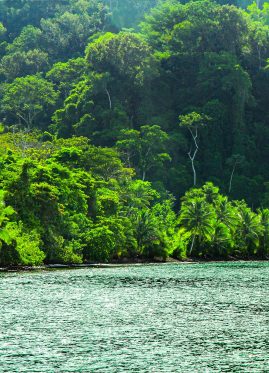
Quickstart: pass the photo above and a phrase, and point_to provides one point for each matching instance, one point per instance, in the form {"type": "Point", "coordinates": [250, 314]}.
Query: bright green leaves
{"type": "Point", "coordinates": [192, 120]}
{"type": "Point", "coordinates": [217, 228]}
{"type": "Point", "coordinates": [27, 246]}
{"type": "Point", "coordinates": [195, 27]}
{"type": "Point", "coordinates": [79, 203]}
{"type": "Point", "coordinates": [205, 222]}
{"type": "Point", "coordinates": [196, 216]}
{"type": "Point", "coordinates": [78, 114]}
{"type": "Point", "coordinates": [125, 55]}
{"type": "Point", "coordinates": [67, 74]}
{"type": "Point", "coordinates": [17, 246]}
{"type": "Point", "coordinates": [26, 98]}
{"type": "Point", "coordinates": [100, 245]}
{"type": "Point", "coordinates": [5, 213]}
{"type": "Point", "coordinates": [144, 149]}
{"type": "Point", "coordinates": [2, 29]}
{"type": "Point", "coordinates": [248, 230]}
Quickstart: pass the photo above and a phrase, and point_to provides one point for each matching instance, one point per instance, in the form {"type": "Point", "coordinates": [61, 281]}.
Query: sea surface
{"type": "Point", "coordinates": [208, 317]}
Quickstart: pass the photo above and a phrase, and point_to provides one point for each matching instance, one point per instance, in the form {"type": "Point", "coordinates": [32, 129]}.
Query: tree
{"type": "Point", "coordinates": [195, 27]}
{"type": "Point", "coordinates": [88, 112]}
{"type": "Point", "coordinates": [144, 149]}
{"type": "Point", "coordinates": [100, 244]}
{"type": "Point", "coordinates": [18, 14]}
{"type": "Point", "coordinates": [263, 249]}
{"type": "Point", "coordinates": [22, 63]}
{"type": "Point", "coordinates": [138, 195]}
{"type": "Point", "coordinates": [130, 67]}
{"type": "Point", "coordinates": [147, 233]}
{"type": "Point", "coordinates": [221, 242]}
{"type": "Point", "coordinates": [234, 161]}
{"type": "Point", "coordinates": [17, 246]}
{"type": "Point", "coordinates": [193, 121]}
{"type": "Point", "coordinates": [26, 98]}
{"type": "Point", "coordinates": [66, 35]}
{"type": "Point", "coordinates": [124, 55]}
{"type": "Point", "coordinates": [23, 249]}
{"type": "Point", "coordinates": [226, 213]}
{"type": "Point", "coordinates": [5, 213]}
{"type": "Point", "coordinates": [248, 230]}
{"type": "Point", "coordinates": [197, 217]}
{"type": "Point", "coordinates": [65, 75]}
{"type": "Point", "coordinates": [29, 39]}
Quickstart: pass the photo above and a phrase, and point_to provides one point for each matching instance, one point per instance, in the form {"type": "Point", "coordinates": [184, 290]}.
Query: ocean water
{"type": "Point", "coordinates": [208, 317]}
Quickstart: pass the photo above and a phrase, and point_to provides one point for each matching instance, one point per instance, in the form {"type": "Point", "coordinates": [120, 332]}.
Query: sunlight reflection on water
{"type": "Point", "coordinates": [210, 317]}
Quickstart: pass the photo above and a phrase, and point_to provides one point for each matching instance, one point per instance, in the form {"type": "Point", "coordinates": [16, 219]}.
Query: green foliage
{"type": "Point", "coordinates": [144, 149]}
{"type": "Point", "coordinates": [22, 63]}
{"type": "Point", "coordinates": [196, 216]}
{"type": "Point", "coordinates": [26, 246]}
{"type": "Point", "coordinates": [128, 13]}
{"type": "Point", "coordinates": [125, 54]}
{"type": "Point", "coordinates": [17, 246]}
{"type": "Point", "coordinates": [78, 81]}
{"type": "Point", "coordinates": [2, 30]}
{"type": "Point", "coordinates": [26, 98]}
{"type": "Point", "coordinates": [219, 228]}
{"type": "Point", "coordinates": [248, 230]}
{"type": "Point", "coordinates": [67, 74]}
{"type": "Point", "coordinates": [100, 245]}
{"type": "Point", "coordinates": [77, 203]}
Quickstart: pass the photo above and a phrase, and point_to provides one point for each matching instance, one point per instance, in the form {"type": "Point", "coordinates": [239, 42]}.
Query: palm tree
{"type": "Point", "coordinates": [248, 229]}
{"type": "Point", "coordinates": [146, 231]}
{"type": "Point", "coordinates": [225, 212]}
{"type": "Point", "coordinates": [221, 240]}
{"type": "Point", "coordinates": [210, 192]}
{"type": "Point", "coordinates": [264, 235]}
{"type": "Point", "coordinates": [197, 217]}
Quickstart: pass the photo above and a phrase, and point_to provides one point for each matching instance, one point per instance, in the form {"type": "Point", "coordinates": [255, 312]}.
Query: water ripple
{"type": "Point", "coordinates": [210, 317]}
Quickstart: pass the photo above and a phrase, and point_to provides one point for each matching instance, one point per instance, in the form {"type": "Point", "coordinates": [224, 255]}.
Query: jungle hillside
{"type": "Point", "coordinates": [133, 130]}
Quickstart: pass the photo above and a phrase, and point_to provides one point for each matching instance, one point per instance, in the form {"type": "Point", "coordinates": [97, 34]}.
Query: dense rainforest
{"type": "Point", "coordinates": [133, 129]}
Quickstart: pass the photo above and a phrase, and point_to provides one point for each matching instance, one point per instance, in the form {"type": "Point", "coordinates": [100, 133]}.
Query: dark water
{"type": "Point", "coordinates": [163, 318]}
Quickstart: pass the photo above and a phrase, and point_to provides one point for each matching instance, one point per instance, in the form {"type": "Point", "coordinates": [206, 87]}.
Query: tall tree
{"type": "Point", "coordinates": [198, 218]}
{"type": "Point", "coordinates": [26, 98]}
{"type": "Point", "coordinates": [192, 122]}
{"type": "Point", "coordinates": [144, 149]}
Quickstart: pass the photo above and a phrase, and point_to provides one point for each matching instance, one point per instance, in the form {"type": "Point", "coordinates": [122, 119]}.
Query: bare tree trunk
{"type": "Point", "coordinates": [21, 117]}
{"type": "Point", "coordinates": [231, 178]}
{"type": "Point", "coordinates": [192, 244]}
{"type": "Point", "coordinates": [193, 156]}
{"type": "Point", "coordinates": [30, 121]}
{"type": "Point", "coordinates": [128, 160]}
{"type": "Point", "coordinates": [109, 99]}
{"type": "Point", "coordinates": [143, 175]}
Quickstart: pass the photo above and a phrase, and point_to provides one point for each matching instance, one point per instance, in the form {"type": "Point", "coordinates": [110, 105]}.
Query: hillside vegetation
{"type": "Point", "coordinates": [133, 129]}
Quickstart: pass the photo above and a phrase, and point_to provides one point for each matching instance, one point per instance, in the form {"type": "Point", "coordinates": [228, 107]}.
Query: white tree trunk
{"type": "Point", "coordinates": [192, 244]}
{"type": "Point", "coordinates": [232, 175]}
{"type": "Point", "coordinates": [109, 99]}
{"type": "Point", "coordinates": [191, 155]}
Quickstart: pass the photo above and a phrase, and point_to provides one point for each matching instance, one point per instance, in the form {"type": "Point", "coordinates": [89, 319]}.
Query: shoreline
{"type": "Point", "coordinates": [113, 264]}
{"type": "Point", "coordinates": [48, 267]}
